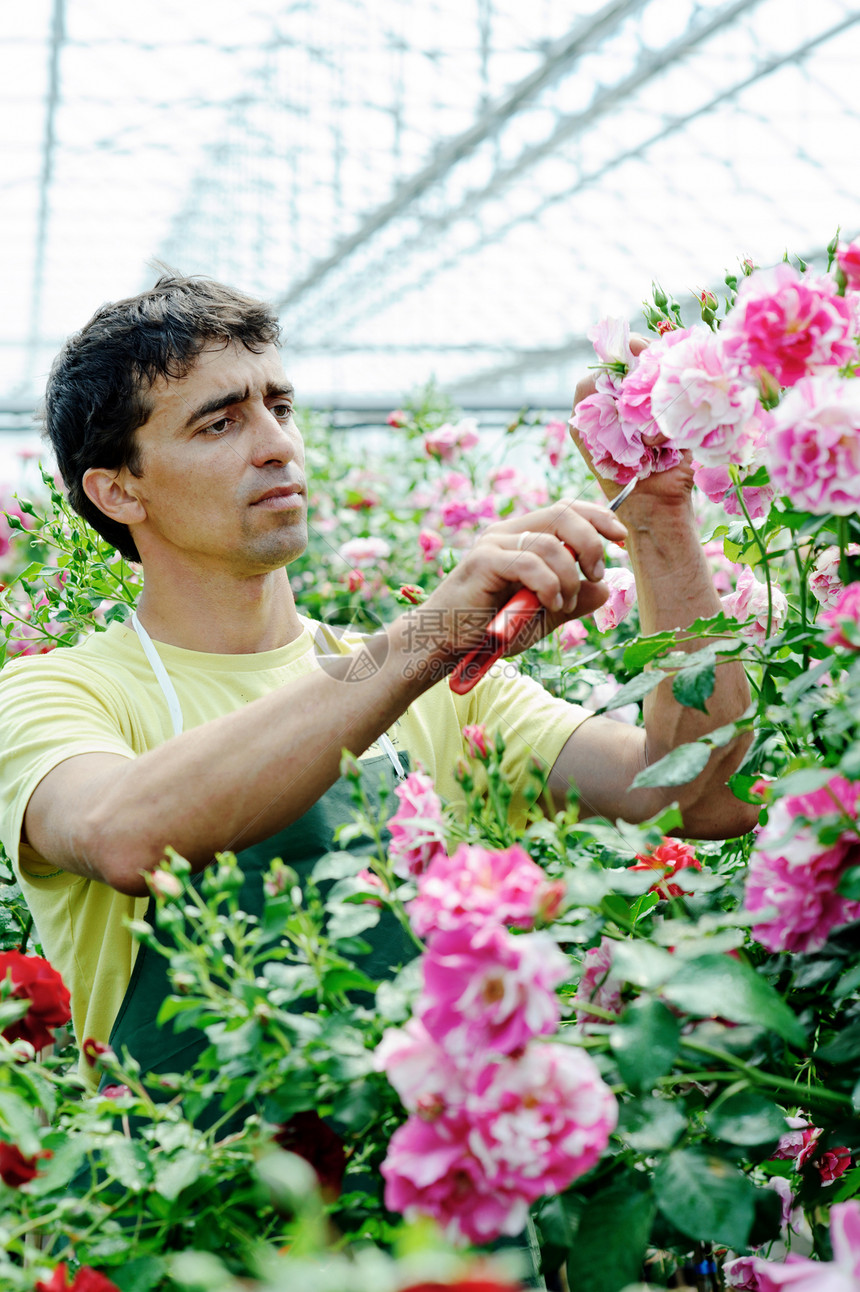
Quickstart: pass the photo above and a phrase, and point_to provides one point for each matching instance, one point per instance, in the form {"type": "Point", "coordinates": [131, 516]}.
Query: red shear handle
{"type": "Point", "coordinates": [500, 634]}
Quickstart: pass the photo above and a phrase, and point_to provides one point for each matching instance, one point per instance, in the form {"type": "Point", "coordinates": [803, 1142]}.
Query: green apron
{"type": "Point", "coordinates": [300, 845]}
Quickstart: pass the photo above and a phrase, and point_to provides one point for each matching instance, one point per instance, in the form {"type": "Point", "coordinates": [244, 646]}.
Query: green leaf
{"type": "Point", "coordinates": [598, 1261]}
{"type": "Point", "coordinates": [337, 865]}
{"type": "Point", "coordinates": [849, 884]}
{"type": "Point", "coordinates": [677, 768]}
{"type": "Point", "coordinates": [845, 1048]}
{"type": "Point", "coordinates": [705, 1197]}
{"type": "Point", "coordinates": [746, 1118]}
{"type": "Point", "coordinates": [719, 985]}
{"type": "Point", "coordinates": [693, 686]}
{"type": "Point", "coordinates": [128, 1162]}
{"type": "Point", "coordinates": [641, 652]}
{"type": "Point", "coordinates": [348, 920]}
{"type": "Point", "coordinates": [178, 1173]}
{"type": "Point", "coordinates": [633, 691]}
{"type": "Point", "coordinates": [651, 1124]}
{"type": "Point", "coordinates": [559, 1219]}
{"type": "Point", "coordinates": [140, 1275]}
{"type": "Point", "coordinates": [645, 1041]}
{"type": "Point", "coordinates": [642, 963]}
{"type": "Point", "coordinates": [809, 678]}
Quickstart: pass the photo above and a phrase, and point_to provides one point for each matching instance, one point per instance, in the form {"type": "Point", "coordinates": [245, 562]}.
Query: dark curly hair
{"type": "Point", "coordinates": [98, 392]}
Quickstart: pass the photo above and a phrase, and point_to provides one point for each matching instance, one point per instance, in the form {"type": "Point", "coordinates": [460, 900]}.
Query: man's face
{"type": "Point", "coordinates": [223, 482]}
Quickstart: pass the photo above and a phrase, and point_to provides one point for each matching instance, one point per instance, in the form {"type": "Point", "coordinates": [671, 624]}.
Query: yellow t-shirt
{"type": "Point", "coordinates": [102, 696]}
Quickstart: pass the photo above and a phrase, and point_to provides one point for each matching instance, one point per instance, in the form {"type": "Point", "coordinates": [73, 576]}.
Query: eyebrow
{"type": "Point", "coordinates": [272, 390]}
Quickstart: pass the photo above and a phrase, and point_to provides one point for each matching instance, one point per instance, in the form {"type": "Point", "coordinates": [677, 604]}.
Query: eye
{"type": "Point", "coordinates": [282, 409]}
{"type": "Point", "coordinates": [217, 428]}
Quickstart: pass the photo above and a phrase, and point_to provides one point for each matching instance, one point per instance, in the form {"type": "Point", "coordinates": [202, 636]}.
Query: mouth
{"type": "Point", "coordinates": [281, 498]}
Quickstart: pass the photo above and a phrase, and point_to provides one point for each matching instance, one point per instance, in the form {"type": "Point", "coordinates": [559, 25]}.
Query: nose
{"type": "Point", "coordinates": [276, 440]}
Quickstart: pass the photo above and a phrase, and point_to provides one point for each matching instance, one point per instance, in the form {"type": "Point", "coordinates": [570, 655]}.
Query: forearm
{"type": "Point", "coordinates": [675, 587]}
{"type": "Point", "coordinates": [242, 777]}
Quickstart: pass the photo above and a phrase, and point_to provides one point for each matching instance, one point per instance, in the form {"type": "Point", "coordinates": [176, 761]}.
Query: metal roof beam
{"type": "Point", "coordinates": [48, 147]}
{"type": "Point", "coordinates": [560, 54]}
{"type": "Point", "coordinates": [649, 66]}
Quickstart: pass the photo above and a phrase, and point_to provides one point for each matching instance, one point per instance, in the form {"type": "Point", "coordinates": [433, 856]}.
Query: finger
{"type": "Point", "coordinates": [583, 527]}
{"type": "Point", "coordinates": [563, 582]}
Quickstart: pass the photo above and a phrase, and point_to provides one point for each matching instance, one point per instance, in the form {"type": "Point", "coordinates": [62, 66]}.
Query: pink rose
{"type": "Point", "coordinates": [526, 1128]}
{"type": "Point", "coordinates": [364, 551]}
{"type": "Point", "coordinates": [788, 325]}
{"type": "Point", "coordinates": [698, 403]}
{"type": "Point", "coordinates": [417, 828]}
{"type": "Point", "coordinates": [622, 598]}
{"type": "Point", "coordinates": [602, 695]}
{"type": "Point", "coordinates": [431, 1169]}
{"type": "Point", "coordinates": [485, 989]}
{"type": "Point", "coordinates": [420, 1070]}
{"type": "Point", "coordinates": [824, 582]}
{"type": "Point", "coordinates": [556, 440]}
{"type": "Point", "coordinates": [430, 543]}
{"type": "Point", "coordinates": [793, 877]}
{"type": "Point", "coordinates": [615, 446]}
{"type": "Point", "coordinates": [842, 1274]}
{"type": "Point", "coordinates": [813, 452]}
{"type": "Point", "coordinates": [572, 634]}
{"type": "Point", "coordinates": [398, 418]}
{"type": "Point", "coordinates": [374, 884]}
{"type": "Point", "coordinates": [844, 615]}
{"type": "Point", "coordinates": [475, 739]}
{"type": "Point", "coordinates": [468, 510]}
{"type": "Point", "coordinates": [740, 1275]}
{"type": "Point", "coordinates": [448, 441]}
{"type": "Point", "coordinates": [749, 601]}
{"type": "Point", "coordinates": [848, 260]}
{"type": "Point", "coordinates": [478, 885]}
{"type": "Point", "coordinates": [611, 340]}
{"type": "Point", "coordinates": [598, 985]}
{"type": "Point", "coordinates": [520, 492]}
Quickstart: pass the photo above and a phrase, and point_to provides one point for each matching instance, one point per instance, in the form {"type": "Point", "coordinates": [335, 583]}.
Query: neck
{"type": "Point", "coordinates": [223, 616]}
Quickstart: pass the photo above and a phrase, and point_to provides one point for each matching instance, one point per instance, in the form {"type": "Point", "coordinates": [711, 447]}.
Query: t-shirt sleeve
{"type": "Point", "coordinates": [48, 713]}
{"type": "Point", "coordinates": [534, 724]}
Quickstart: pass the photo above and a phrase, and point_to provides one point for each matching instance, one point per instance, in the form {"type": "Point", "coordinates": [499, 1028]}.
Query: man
{"type": "Point", "coordinates": [208, 724]}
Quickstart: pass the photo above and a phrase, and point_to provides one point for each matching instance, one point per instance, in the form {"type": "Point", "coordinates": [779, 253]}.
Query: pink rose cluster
{"type": "Point", "coordinates": [498, 1117]}
{"type": "Point", "coordinates": [824, 582]}
{"type": "Point", "coordinates": [800, 1145]}
{"type": "Point", "coordinates": [698, 390]}
{"type": "Point", "coordinates": [749, 602]}
{"type": "Point", "coordinates": [842, 1274]}
{"type": "Point", "coordinates": [449, 441]}
{"type": "Point", "coordinates": [621, 600]}
{"type": "Point", "coordinates": [843, 619]}
{"type": "Point", "coordinates": [417, 826]}
{"type": "Point", "coordinates": [793, 878]}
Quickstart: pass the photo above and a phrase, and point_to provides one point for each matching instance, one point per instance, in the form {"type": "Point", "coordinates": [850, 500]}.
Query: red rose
{"type": "Point", "coordinates": [308, 1136]}
{"type": "Point", "coordinates": [15, 1168]}
{"type": "Point", "coordinates": [670, 857]}
{"type": "Point", "coordinates": [86, 1280]}
{"type": "Point", "coordinates": [34, 979]}
{"type": "Point", "coordinates": [833, 1163]}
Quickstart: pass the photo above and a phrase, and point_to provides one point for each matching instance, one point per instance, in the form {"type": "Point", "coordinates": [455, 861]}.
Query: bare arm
{"type": "Point", "coordinates": [674, 588]}
{"type": "Point", "coordinates": [244, 776]}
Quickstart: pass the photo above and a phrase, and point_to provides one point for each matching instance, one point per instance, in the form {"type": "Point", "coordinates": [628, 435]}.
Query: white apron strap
{"type": "Point", "coordinates": [161, 674]}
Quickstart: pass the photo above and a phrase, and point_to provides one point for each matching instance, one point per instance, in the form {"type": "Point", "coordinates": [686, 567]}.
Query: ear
{"type": "Point", "coordinates": [113, 493]}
